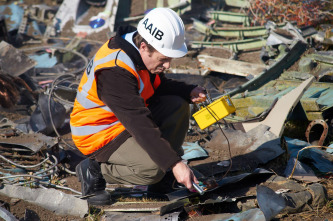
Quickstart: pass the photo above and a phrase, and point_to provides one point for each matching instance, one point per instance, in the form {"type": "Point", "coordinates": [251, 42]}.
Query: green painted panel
{"type": "Point", "coordinates": [314, 115]}
{"type": "Point", "coordinates": [310, 104]}
{"type": "Point", "coordinates": [232, 45]}
{"type": "Point", "coordinates": [238, 3]}
{"type": "Point", "coordinates": [230, 17]}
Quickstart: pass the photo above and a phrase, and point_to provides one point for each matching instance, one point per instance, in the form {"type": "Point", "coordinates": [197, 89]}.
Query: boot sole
{"type": "Point", "coordinates": [91, 201]}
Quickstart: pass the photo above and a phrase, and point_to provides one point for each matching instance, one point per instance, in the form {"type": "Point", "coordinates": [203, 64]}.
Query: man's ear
{"type": "Point", "coordinates": [143, 46]}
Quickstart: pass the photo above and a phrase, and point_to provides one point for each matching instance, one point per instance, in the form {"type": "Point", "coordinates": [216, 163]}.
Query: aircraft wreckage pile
{"type": "Point", "coordinates": [271, 159]}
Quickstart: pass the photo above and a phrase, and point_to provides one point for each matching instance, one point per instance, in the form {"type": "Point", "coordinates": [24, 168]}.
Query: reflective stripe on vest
{"type": "Point", "coordinates": [87, 130]}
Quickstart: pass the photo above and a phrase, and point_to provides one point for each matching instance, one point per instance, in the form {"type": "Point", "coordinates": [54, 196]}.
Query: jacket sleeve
{"type": "Point", "coordinates": [118, 89]}
{"type": "Point", "coordinates": [174, 87]}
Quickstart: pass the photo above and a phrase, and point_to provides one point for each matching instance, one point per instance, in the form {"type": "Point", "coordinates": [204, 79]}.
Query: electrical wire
{"type": "Point", "coordinates": [308, 147]}
{"type": "Point", "coordinates": [53, 85]}
{"type": "Point", "coordinates": [38, 175]}
{"type": "Point", "coordinates": [24, 184]}
{"type": "Point", "coordinates": [54, 165]}
{"type": "Point", "coordinates": [23, 166]}
{"type": "Point", "coordinates": [24, 175]}
{"type": "Point", "coordinates": [46, 184]}
{"type": "Point", "coordinates": [59, 187]}
{"type": "Point", "coordinates": [56, 84]}
{"type": "Point", "coordinates": [230, 157]}
{"type": "Point", "coordinates": [67, 170]}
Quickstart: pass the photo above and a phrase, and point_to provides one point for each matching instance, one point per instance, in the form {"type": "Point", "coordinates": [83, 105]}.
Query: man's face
{"type": "Point", "coordinates": [155, 62]}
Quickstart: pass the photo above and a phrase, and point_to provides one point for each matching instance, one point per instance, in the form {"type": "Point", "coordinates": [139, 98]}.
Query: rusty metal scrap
{"type": "Point", "coordinates": [61, 203]}
{"type": "Point", "coordinates": [9, 93]}
{"type": "Point", "coordinates": [313, 130]}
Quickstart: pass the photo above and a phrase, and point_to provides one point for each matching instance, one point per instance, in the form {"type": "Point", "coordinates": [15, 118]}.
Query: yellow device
{"type": "Point", "coordinates": [214, 112]}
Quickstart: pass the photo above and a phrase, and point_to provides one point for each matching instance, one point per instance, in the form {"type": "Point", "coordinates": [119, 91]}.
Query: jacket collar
{"type": "Point", "coordinates": [118, 42]}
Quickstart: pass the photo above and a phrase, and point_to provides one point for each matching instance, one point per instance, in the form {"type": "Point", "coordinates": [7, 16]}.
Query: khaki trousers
{"type": "Point", "coordinates": [130, 164]}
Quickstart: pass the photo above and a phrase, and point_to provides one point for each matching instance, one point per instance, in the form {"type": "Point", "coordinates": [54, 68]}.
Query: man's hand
{"type": "Point", "coordinates": [198, 95]}
{"type": "Point", "coordinates": [184, 174]}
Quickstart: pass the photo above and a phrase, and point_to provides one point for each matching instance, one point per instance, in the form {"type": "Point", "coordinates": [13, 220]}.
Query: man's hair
{"type": "Point", "coordinates": [138, 39]}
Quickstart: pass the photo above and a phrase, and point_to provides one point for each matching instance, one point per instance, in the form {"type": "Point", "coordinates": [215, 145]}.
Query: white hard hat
{"type": "Point", "coordinates": [164, 30]}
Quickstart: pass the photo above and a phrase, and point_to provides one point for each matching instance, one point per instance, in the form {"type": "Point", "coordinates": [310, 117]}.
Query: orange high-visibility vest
{"type": "Point", "coordinates": [93, 124]}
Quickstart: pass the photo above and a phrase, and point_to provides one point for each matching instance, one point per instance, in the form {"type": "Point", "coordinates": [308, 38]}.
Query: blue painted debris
{"type": "Point", "coordinates": [320, 159]}
{"type": "Point", "coordinates": [330, 149]}
{"type": "Point", "coordinates": [14, 18]}
{"type": "Point", "coordinates": [44, 60]}
{"type": "Point", "coordinates": [249, 215]}
{"type": "Point", "coordinates": [269, 202]}
{"type": "Point", "coordinates": [302, 171]}
{"type": "Point", "coordinates": [193, 151]}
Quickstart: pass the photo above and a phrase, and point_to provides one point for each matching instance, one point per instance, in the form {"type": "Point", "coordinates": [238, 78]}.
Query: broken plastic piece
{"type": "Point", "coordinates": [99, 20]}
{"type": "Point", "coordinates": [96, 23]}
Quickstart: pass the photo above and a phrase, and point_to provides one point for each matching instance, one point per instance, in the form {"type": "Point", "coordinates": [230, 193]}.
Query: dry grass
{"type": "Point", "coordinates": [137, 200]}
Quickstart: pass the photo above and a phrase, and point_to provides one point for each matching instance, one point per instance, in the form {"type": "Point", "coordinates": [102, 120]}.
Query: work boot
{"type": "Point", "coordinates": [92, 182]}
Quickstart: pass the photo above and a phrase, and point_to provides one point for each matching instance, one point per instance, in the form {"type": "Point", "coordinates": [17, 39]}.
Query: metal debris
{"type": "Point", "coordinates": [61, 203]}
{"type": "Point", "coordinates": [235, 46]}
{"type": "Point", "coordinates": [184, 193]}
{"type": "Point", "coordinates": [112, 216]}
{"type": "Point", "coordinates": [35, 142]}
{"type": "Point", "coordinates": [6, 215]}
{"type": "Point", "coordinates": [160, 208]}
{"type": "Point", "coordinates": [269, 202]}
{"type": "Point", "coordinates": [278, 115]}
{"type": "Point", "coordinates": [228, 66]}
{"type": "Point", "coordinates": [232, 17]}
{"type": "Point", "coordinates": [11, 55]}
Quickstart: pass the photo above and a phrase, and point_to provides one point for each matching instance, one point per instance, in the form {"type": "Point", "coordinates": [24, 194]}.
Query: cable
{"type": "Point", "coordinates": [53, 166]}
{"type": "Point", "coordinates": [46, 184]}
{"type": "Point", "coordinates": [304, 148]}
{"type": "Point", "coordinates": [39, 175]}
{"type": "Point", "coordinates": [60, 187]}
{"type": "Point", "coordinates": [49, 108]}
{"type": "Point", "coordinates": [56, 84]}
{"type": "Point", "coordinates": [67, 170]}
{"type": "Point", "coordinates": [53, 85]}
{"type": "Point", "coordinates": [230, 157]}
{"type": "Point", "coordinates": [24, 175]}
{"type": "Point", "coordinates": [23, 166]}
